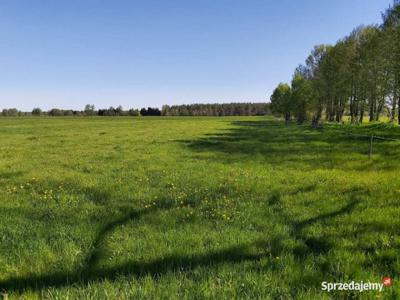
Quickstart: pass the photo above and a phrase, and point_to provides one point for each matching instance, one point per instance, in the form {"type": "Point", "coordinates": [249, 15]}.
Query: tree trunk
{"type": "Point", "coordinates": [397, 94]}
{"type": "Point", "coordinates": [362, 113]}
{"type": "Point", "coordinates": [354, 118]}
{"type": "Point", "coordinates": [371, 110]}
{"type": "Point", "coordinates": [332, 112]}
{"type": "Point", "coordinates": [396, 98]}
{"type": "Point", "coordinates": [394, 104]}
{"type": "Point", "coordinates": [380, 108]}
{"type": "Point", "coordinates": [398, 107]}
{"type": "Point", "coordinates": [339, 110]}
{"type": "Point", "coordinates": [287, 117]}
{"type": "Point", "coordinates": [361, 116]}
{"type": "Point", "coordinates": [317, 117]}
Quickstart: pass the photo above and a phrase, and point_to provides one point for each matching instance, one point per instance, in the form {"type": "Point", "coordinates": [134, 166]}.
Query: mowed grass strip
{"type": "Point", "coordinates": [221, 208]}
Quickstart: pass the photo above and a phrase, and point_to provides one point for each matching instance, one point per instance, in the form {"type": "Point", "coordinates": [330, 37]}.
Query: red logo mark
{"type": "Point", "coordinates": [387, 281]}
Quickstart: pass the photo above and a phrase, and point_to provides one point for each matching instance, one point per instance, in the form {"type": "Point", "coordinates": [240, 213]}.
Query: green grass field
{"type": "Point", "coordinates": [218, 208]}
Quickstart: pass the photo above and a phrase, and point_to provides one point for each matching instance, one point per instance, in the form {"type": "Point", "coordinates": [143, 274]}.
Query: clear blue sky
{"type": "Point", "coordinates": [148, 53]}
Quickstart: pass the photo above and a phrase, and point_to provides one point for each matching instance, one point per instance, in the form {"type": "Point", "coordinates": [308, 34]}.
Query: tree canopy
{"type": "Point", "coordinates": [358, 77]}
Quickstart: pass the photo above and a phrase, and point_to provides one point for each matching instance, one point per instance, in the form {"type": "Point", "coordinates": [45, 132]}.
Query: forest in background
{"type": "Point", "coordinates": [216, 109]}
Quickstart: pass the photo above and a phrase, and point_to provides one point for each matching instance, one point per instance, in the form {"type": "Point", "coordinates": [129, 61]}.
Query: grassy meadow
{"type": "Point", "coordinates": [193, 208]}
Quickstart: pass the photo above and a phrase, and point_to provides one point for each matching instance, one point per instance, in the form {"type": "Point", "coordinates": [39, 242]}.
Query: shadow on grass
{"type": "Point", "coordinates": [11, 175]}
{"type": "Point", "coordinates": [255, 251]}
{"type": "Point", "coordinates": [308, 245]}
{"type": "Point", "coordinates": [288, 145]}
{"type": "Point", "coordinates": [278, 144]}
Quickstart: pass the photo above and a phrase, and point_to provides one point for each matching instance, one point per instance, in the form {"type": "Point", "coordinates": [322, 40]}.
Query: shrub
{"type": "Point", "coordinates": [133, 112]}
{"type": "Point", "coordinates": [11, 112]}
{"type": "Point", "coordinates": [36, 111]}
{"type": "Point", "coordinates": [55, 112]}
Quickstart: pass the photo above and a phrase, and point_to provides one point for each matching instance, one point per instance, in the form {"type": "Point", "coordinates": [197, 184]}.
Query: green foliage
{"type": "Point", "coordinates": [150, 112]}
{"type": "Point", "coordinates": [134, 112]}
{"type": "Point", "coordinates": [11, 112]}
{"type": "Point", "coordinates": [36, 111]}
{"type": "Point", "coordinates": [89, 110]}
{"type": "Point", "coordinates": [281, 101]}
{"type": "Point", "coordinates": [301, 96]}
{"type": "Point", "coordinates": [216, 109]}
{"type": "Point", "coordinates": [55, 112]}
{"type": "Point", "coordinates": [358, 76]}
{"type": "Point", "coordinates": [68, 112]}
{"type": "Point", "coordinates": [194, 208]}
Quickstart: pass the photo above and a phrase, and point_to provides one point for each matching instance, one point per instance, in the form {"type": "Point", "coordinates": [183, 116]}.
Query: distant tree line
{"type": "Point", "coordinates": [12, 112]}
{"type": "Point", "coordinates": [226, 109]}
{"type": "Point", "coordinates": [229, 109]}
{"type": "Point", "coordinates": [358, 77]}
{"type": "Point", "coordinates": [89, 110]}
{"type": "Point", "coordinates": [150, 112]}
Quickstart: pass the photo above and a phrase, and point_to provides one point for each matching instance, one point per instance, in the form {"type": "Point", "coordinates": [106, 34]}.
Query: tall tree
{"type": "Point", "coordinates": [281, 101]}
{"type": "Point", "coordinates": [391, 27]}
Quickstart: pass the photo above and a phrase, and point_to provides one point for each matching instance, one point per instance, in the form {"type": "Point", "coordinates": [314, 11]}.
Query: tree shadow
{"type": "Point", "coordinates": [250, 137]}
{"type": "Point", "coordinates": [10, 175]}
{"type": "Point", "coordinates": [95, 255]}
{"type": "Point", "coordinates": [281, 145]}
{"type": "Point", "coordinates": [308, 245]}
{"type": "Point", "coordinates": [258, 249]}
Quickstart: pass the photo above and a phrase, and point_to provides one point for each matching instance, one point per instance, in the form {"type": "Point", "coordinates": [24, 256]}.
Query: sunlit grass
{"type": "Point", "coordinates": [382, 119]}
{"type": "Point", "coordinates": [247, 207]}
